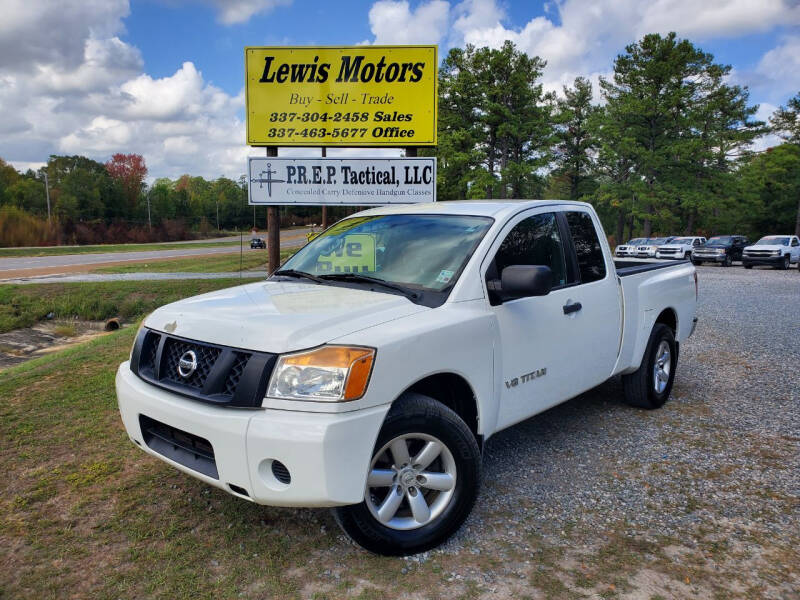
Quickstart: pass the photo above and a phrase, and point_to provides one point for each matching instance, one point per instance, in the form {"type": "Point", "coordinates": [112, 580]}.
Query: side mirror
{"type": "Point", "coordinates": [522, 281]}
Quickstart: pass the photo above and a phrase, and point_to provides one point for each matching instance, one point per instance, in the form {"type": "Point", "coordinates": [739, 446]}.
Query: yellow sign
{"type": "Point", "coordinates": [355, 255]}
{"type": "Point", "coordinates": [341, 96]}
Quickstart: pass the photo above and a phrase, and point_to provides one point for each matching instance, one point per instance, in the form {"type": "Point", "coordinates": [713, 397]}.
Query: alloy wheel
{"type": "Point", "coordinates": [411, 481]}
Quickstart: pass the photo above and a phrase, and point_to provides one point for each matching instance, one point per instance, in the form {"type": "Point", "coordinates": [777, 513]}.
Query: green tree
{"type": "Point", "coordinates": [674, 127]}
{"type": "Point", "coordinates": [770, 190]}
{"type": "Point", "coordinates": [786, 120]}
{"type": "Point", "coordinates": [494, 123]}
{"type": "Point", "coordinates": [29, 195]}
{"type": "Point", "coordinates": [576, 143]}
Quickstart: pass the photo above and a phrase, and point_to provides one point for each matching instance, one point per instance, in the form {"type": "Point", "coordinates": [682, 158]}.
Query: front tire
{"type": "Point", "coordinates": [650, 385]}
{"type": "Point", "coordinates": [424, 478]}
{"type": "Point", "coordinates": [785, 264]}
{"type": "Point", "coordinates": [728, 261]}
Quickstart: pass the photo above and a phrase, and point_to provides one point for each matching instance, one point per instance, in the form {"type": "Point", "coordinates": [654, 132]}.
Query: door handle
{"type": "Point", "coordinates": [571, 308]}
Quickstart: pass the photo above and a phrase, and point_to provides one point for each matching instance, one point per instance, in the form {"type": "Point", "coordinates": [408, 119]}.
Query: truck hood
{"type": "Point", "coordinates": [768, 247]}
{"type": "Point", "coordinates": [279, 316]}
{"type": "Point", "coordinates": [675, 246]}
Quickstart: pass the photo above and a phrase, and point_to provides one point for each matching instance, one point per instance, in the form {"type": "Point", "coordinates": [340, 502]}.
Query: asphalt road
{"type": "Point", "coordinates": [42, 265]}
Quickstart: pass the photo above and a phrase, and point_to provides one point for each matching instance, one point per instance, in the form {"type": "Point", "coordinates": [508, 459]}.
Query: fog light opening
{"type": "Point", "coordinates": [281, 473]}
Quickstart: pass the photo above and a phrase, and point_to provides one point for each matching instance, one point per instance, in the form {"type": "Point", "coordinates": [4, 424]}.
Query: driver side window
{"type": "Point", "coordinates": [534, 241]}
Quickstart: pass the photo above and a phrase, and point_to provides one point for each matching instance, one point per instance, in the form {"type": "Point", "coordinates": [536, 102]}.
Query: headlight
{"type": "Point", "coordinates": [327, 374]}
{"type": "Point", "coordinates": [776, 252]}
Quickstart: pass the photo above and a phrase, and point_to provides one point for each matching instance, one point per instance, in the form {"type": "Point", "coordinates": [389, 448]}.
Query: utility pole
{"type": "Point", "coordinates": [47, 193]}
{"type": "Point", "coordinates": [273, 229]}
{"type": "Point", "coordinates": [149, 222]}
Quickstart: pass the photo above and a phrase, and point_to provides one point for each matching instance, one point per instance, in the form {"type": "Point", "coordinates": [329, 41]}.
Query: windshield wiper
{"type": "Point", "coordinates": [299, 274]}
{"type": "Point", "coordinates": [367, 279]}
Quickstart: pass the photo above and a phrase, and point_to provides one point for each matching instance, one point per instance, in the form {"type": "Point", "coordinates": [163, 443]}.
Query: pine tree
{"type": "Point", "coordinates": [576, 144]}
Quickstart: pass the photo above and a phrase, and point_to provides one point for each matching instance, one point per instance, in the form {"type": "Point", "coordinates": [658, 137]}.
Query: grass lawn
{"type": "Point", "coordinates": [250, 259]}
{"type": "Point", "coordinates": [25, 305]}
{"type": "Point", "coordinates": [102, 248]}
{"type": "Point", "coordinates": [84, 513]}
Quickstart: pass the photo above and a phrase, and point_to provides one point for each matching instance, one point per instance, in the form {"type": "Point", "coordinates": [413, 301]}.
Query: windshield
{"type": "Point", "coordinates": [636, 241]}
{"type": "Point", "coordinates": [417, 251]}
{"type": "Point", "coordinates": [719, 239]}
{"type": "Point", "coordinates": [682, 240]}
{"type": "Point", "coordinates": [773, 240]}
{"type": "Point", "coordinates": [657, 240]}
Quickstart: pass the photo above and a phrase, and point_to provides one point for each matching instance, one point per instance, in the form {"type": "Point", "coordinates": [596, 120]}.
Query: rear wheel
{"type": "Point", "coordinates": [423, 480]}
{"type": "Point", "coordinates": [650, 385]}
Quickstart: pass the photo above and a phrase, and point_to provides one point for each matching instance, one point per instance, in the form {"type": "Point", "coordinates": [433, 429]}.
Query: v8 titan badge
{"type": "Point", "coordinates": [341, 96]}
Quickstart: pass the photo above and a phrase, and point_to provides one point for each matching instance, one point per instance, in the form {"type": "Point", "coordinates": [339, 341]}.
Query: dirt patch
{"type": "Point", "coordinates": [24, 344]}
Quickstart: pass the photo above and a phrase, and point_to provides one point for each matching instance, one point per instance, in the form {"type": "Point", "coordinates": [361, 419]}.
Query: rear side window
{"type": "Point", "coordinates": [534, 241]}
{"type": "Point", "coordinates": [591, 264]}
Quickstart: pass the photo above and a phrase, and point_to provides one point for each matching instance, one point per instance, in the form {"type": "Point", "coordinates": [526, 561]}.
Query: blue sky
{"type": "Point", "coordinates": [164, 77]}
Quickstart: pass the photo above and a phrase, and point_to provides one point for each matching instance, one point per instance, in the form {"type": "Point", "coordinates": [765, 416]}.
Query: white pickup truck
{"type": "Point", "coordinates": [368, 372]}
{"type": "Point", "coordinates": [779, 251]}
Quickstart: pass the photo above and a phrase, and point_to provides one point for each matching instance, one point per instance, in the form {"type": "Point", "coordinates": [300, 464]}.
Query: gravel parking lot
{"type": "Point", "coordinates": [698, 499]}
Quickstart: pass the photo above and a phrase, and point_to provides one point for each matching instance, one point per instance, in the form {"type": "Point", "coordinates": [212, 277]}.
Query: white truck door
{"type": "Point", "coordinates": [598, 324]}
{"type": "Point", "coordinates": [537, 342]}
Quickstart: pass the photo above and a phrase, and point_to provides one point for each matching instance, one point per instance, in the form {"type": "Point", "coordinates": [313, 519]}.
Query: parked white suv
{"type": "Point", "coordinates": [680, 248]}
{"type": "Point", "coordinates": [778, 251]}
{"type": "Point", "coordinates": [367, 373]}
{"type": "Point", "coordinates": [648, 248]}
{"type": "Point", "coordinates": [629, 249]}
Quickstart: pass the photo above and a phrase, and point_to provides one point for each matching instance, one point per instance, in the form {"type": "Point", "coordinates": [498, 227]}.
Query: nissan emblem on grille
{"type": "Point", "coordinates": [187, 364]}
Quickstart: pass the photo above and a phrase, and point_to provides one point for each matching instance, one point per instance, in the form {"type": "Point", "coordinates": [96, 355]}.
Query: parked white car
{"type": "Point", "coordinates": [368, 372]}
{"type": "Point", "coordinates": [648, 248]}
{"type": "Point", "coordinates": [628, 249]}
{"type": "Point", "coordinates": [680, 248]}
{"type": "Point", "coordinates": [778, 251]}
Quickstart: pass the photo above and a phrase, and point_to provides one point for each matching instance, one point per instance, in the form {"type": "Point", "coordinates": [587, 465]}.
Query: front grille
{"type": "Point", "coordinates": [174, 349]}
{"type": "Point", "coordinates": [222, 375]}
{"type": "Point", "coordinates": [147, 360]}
{"type": "Point", "coordinates": [760, 253]}
{"type": "Point", "coordinates": [184, 448]}
{"type": "Point", "coordinates": [668, 250]}
{"type": "Point", "coordinates": [236, 372]}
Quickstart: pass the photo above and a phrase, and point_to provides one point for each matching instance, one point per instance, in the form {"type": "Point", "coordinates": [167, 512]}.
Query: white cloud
{"type": "Point", "coordinates": [54, 33]}
{"type": "Point", "coordinates": [240, 11]}
{"type": "Point", "coordinates": [395, 23]}
{"type": "Point", "coordinates": [585, 37]}
{"type": "Point", "coordinates": [780, 68]}
{"type": "Point", "coordinates": [99, 101]}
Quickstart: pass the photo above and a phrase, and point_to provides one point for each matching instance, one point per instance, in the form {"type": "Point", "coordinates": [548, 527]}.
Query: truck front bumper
{"type": "Point", "coordinates": [720, 258]}
{"type": "Point", "coordinates": [327, 456]}
{"type": "Point", "coordinates": [772, 261]}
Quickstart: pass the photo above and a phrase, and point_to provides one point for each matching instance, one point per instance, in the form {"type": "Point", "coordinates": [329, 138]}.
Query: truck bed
{"type": "Point", "coordinates": [632, 266]}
